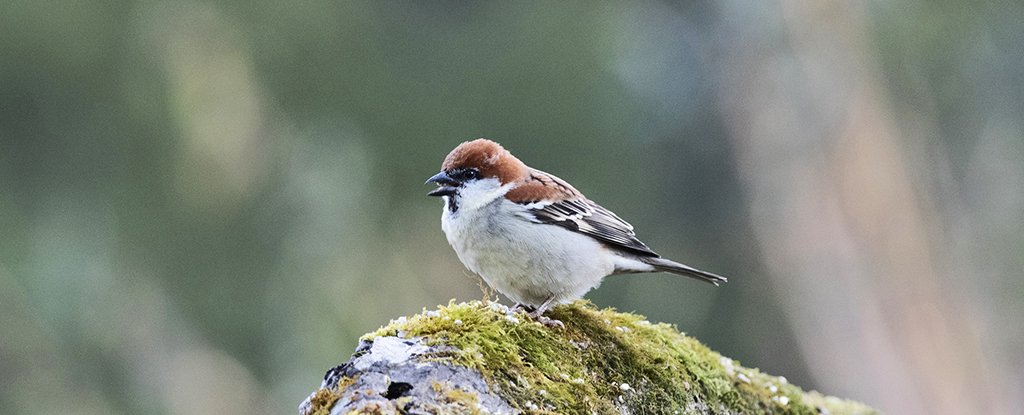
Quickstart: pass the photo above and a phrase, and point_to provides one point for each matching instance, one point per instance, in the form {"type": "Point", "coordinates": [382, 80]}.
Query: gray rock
{"type": "Point", "coordinates": [395, 375]}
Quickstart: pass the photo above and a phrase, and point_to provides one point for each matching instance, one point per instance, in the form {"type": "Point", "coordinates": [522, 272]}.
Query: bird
{"type": "Point", "coordinates": [532, 236]}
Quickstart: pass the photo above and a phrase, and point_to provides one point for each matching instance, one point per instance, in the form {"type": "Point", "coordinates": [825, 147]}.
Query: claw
{"type": "Point", "coordinates": [537, 313]}
{"type": "Point", "coordinates": [549, 322]}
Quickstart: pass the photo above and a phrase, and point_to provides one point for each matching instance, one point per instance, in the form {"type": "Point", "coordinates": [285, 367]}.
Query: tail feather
{"type": "Point", "coordinates": [667, 265]}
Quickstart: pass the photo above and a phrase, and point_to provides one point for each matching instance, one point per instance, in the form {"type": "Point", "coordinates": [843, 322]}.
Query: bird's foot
{"type": "Point", "coordinates": [538, 315]}
{"type": "Point", "coordinates": [549, 322]}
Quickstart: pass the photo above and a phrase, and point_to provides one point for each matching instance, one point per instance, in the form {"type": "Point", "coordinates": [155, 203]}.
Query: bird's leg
{"type": "Point", "coordinates": [538, 314]}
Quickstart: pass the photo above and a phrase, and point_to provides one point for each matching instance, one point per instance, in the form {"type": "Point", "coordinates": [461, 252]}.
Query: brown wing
{"type": "Point", "coordinates": [569, 209]}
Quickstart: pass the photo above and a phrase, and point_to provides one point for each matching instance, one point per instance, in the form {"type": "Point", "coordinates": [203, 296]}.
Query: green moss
{"type": "Point", "coordinates": [601, 361]}
{"type": "Point", "coordinates": [461, 401]}
{"type": "Point", "coordinates": [324, 398]}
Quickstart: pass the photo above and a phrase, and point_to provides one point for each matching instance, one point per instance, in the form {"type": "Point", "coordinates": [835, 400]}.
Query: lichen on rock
{"type": "Point", "coordinates": [481, 357]}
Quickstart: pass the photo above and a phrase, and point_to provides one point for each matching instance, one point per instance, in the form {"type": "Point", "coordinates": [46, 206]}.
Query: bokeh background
{"type": "Point", "coordinates": [204, 204]}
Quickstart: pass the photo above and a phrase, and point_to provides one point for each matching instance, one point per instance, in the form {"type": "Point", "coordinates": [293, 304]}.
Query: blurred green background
{"type": "Point", "coordinates": [203, 205]}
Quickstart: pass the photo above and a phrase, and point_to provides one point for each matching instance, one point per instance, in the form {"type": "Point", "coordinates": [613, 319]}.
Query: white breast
{"type": "Point", "coordinates": [527, 262]}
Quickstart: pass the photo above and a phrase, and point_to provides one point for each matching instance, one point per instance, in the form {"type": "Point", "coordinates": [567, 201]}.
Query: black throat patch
{"type": "Point", "coordinates": [452, 202]}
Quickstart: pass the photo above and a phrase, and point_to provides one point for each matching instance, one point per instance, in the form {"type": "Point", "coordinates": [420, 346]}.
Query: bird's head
{"type": "Point", "coordinates": [477, 172]}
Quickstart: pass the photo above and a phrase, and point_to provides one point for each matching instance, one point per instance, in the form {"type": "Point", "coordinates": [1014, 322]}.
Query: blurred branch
{"type": "Point", "coordinates": [840, 221]}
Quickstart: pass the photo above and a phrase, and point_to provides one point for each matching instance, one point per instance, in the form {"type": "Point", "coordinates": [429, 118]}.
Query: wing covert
{"type": "Point", "coordinates": [589, 218]}
{"type": "Point", "coordinates": [551, 200]}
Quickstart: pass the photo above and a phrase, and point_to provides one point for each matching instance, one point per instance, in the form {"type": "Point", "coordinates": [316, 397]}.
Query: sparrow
{"type": "Point", "coordinates": [532, 236]}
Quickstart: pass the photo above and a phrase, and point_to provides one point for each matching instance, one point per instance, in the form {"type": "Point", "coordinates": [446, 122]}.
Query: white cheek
{"type": "Point", "coordinates": [478, 193]}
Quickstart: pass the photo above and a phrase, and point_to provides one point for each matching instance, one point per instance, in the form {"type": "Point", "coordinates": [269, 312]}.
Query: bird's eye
{"type": "Point", "coordinates": [471, 174]}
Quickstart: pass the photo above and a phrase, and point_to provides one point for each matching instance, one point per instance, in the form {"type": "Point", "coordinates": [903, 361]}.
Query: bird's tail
{"type": "Point", "coordinates": [667, 265]}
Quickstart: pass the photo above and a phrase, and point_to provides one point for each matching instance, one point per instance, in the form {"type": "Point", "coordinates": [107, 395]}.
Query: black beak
{"type": "Point", "coordinates": [447, 185]}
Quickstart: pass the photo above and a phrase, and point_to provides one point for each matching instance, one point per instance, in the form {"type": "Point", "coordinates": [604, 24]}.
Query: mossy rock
{"type": "Point", "coordinates": [480, 357]}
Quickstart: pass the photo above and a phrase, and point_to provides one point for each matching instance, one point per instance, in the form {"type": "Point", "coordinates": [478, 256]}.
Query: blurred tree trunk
{"type": "Point", "coordinates": [840, 222]}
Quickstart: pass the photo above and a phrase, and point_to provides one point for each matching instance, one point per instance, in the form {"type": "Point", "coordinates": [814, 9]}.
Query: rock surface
{"type": "Point", "coordinates": [392, 374]}
{"type": "Point", "coordinates": [482, 358]}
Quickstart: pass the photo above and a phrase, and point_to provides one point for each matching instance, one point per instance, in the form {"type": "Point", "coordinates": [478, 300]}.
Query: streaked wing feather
{"type": "Point", "coordinates": [551, 200]}
{"type": "Point", "coordinates": [586, 217]}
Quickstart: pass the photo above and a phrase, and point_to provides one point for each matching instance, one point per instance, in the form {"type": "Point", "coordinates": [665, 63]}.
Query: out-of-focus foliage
{"type": "Point", "coordinates": [191, 192]}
